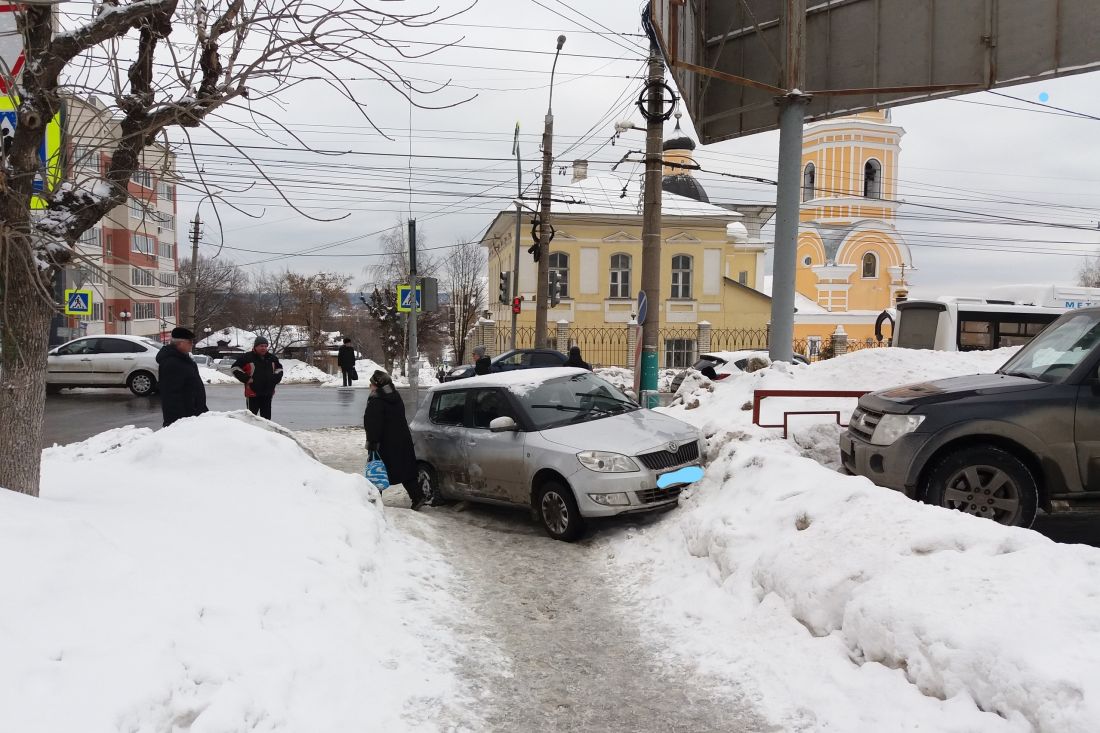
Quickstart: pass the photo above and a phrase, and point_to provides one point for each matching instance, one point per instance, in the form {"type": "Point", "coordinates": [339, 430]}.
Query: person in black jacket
{"type": "Point", "coordinates": [345, 359]}
{"type": "Point", "coordinates": [260, 372]}
{"type": "Point", "coordinates": [182, 393]}
{"type": "Point", "coordinates": [575, 359]}
{"type": "Point", "coordinates": [388, 435]}
{"type": "Point", "coordinates": [482, 363]}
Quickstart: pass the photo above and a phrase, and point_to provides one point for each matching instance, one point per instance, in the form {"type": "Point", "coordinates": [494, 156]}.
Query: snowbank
{"type": "Point", "coordinates": [265, 594]}
{"type": "Point", "coordinates": [213, 376]}
{"type": "Point", "coordinates": [851, 607]}
{"type": "Point", "coordinates": [299, 372]}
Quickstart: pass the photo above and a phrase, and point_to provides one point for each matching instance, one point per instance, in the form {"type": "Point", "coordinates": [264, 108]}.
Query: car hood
{"type": "Point", "coordinates": [945, 390]}
{"type": "Point", "coordinates": [631, 433]}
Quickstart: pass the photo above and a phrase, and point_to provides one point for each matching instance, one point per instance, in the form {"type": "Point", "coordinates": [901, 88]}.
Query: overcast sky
{"type": "Point", "coordinates": [979, 158]}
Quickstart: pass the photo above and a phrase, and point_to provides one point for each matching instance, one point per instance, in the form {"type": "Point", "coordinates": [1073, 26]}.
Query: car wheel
{"type": "Point", "coordinates": [987, 482]}
{"type": "Point", "coordinates": [429, 484]}
{"type": "Point", "coordinates": [53, 389]}
{"type": "Point", "coordinates": [558, 513]}
{"type": "Point", "coordinates": [142, 384]}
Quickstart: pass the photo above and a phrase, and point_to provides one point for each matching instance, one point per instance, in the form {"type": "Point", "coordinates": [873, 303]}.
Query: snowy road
{"type": "Point", "coordinates": [556, 647]}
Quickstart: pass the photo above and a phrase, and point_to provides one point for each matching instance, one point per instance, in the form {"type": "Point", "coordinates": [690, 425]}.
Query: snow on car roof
{"type": "Point", "coordinates": [517, 378]}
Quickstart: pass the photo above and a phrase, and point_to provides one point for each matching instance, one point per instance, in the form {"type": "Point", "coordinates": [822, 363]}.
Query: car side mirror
{"type": "Point", "coordinates": [503, 425]}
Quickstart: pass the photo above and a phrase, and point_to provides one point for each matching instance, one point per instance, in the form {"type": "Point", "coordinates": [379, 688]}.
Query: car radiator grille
{"type": "Point", "coordinates": [863, 423]}
{"type": "Point", "coordinates": [651, 496]}
{"type": "Point", "coordinates": [662, 459]}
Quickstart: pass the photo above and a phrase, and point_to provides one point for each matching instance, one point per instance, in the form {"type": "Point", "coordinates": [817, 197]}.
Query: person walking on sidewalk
{"type": "Point", "coordinates": [388, 435]}
{"type": "Point", "coordinates": [345, 359]}
{"type": "Point", "coordinates": [260, 372]}
{"type": "Point", "coordinates": [182, 393]}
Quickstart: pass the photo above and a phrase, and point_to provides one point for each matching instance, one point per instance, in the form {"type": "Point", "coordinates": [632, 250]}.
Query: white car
{"type": "Point", "coordinates": [562, 442]}
{"type": "Point", "coordinates": [105, 361]}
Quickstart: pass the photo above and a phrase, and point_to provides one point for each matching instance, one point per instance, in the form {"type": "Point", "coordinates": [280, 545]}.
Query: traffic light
{"type": "Point", "coordinates": [505, 287]}
{"type": "Point", "coordinates": [517, 304]}
{"type": "Point", "coordinates": [555, 288]}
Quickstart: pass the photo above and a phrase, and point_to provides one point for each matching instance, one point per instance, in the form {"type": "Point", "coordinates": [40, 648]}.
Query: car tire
{"type": "Point", "coordinates": [53, 389]}
{"type": "Point", "coordinates": [142, 383]}
{"type": "Point", "coordinates": [984, 481]}
{"type": "Point", "coordinates": [557, 512]}
{"type": "Point", "coordinates": [429, 484]}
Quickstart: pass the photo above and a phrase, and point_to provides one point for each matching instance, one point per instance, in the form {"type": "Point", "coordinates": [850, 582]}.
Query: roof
{"type": "Point", "coordinates": [605, 195]}
{"type": "Point", "coordinates": [802, 304]}
{"type": "Point", "coordinates": [684, 185]}
{"type": "Point", "coordinates": [678, 143]}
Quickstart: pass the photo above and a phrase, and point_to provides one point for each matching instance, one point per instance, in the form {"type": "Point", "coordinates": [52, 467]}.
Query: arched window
{"type": "Point", "coordinates": [681, 276]}
{"type": "Point", "coordinates": [872, 179]}
{"type": "Point", "coordinates": [809, 174]}
{"type": "Point", "coordinates": [559, 263]}
{"type": "Point", "coordinates": [870, 265]}
{"type": "Point", "coordinates": [620, 276]}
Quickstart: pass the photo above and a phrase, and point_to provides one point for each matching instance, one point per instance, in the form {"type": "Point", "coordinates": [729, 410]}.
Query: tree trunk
{"type": "Point", "coordinates": [25, 317]}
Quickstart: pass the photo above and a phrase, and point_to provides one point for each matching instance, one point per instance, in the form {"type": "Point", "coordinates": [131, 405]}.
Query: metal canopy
{"type": "Point", "coordinates": [725, 55]}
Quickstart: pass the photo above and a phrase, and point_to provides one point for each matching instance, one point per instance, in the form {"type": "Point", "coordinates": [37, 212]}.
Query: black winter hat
{"type": "Point", "coordinates": [179, 332]}
{"type": "Point", "coordinates": [260, 341]}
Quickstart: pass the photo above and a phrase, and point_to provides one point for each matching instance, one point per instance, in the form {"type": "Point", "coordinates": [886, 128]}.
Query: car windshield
{"type": "Point", "coordinates": [572, 399]}
{"type": "Point", "coordinates": [1052, 355]}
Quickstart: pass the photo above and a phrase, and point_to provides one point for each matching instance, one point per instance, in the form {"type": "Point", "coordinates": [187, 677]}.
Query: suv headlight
{"type": "Point", "coordinates": [892, 427]}
{"type": "Point", "coordinates": [595, 460]}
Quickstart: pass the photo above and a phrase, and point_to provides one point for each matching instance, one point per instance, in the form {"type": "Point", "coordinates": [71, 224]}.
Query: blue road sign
{"type": "Point", "coordinates": [404, 298]}
{"type": "Point", "coordinates": [78, 302]}
{"type": "Point", "coordinates": [643, 307]}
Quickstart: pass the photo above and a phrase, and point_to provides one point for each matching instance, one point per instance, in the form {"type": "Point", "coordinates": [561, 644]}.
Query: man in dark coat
{"type": "Point", "coordinates": [388, 435]}
{"type": "Point", "coordinates": [182, 393]}
{"type": "Point", "coordinates": [345, 359]}
{"type": "Point", "coordinates": [482, 363]}
{"type": "Point", "coordinates": [575, 360]}
{"type": "Point", "coordinates": [260, 372]}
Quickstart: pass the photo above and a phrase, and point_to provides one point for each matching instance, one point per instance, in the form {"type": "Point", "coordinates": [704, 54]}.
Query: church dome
{"type": "Point", "coordinates": [682, 142]}
{"type": "Point", "coordinates": [687, 185]}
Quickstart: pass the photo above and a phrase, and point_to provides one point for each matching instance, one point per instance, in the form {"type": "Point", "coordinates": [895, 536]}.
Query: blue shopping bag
{"type": "Point", "coordinates": [376, 471]}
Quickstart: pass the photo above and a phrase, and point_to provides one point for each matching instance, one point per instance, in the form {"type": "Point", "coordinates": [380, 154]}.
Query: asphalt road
{"type": "Point", "coordinates": [77, 415]}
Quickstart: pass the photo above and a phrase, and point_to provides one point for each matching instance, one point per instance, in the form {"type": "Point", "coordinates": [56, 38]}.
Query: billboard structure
{"type": "Point", "coordinates": [728, 57]}
{"type": "Point", "coordinates": [747, 66]}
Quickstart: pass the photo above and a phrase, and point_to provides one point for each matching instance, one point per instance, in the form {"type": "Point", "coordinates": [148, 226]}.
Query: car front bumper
{"type": "Point", "coordinates": [640, 488]}
{"type": "Point", "coordinates": [890, 466]}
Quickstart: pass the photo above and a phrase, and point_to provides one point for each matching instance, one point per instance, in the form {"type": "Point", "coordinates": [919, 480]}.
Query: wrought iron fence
{"type": "Point", "coordinates": [735, 339]}
{"type": "Point", "coordinates": [603, 346]}
{"type": "Point", "coordinates": [679, 347]}
{"type": "Point", "coordinates": [525, 338]}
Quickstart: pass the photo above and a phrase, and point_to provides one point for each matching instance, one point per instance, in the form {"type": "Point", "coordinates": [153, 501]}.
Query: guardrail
{"type": "Point", "coordinates": [760, 395]}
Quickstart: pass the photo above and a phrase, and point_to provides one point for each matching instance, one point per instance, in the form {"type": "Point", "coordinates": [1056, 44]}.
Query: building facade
{"type": "Point", "coordinates": [130, 259]}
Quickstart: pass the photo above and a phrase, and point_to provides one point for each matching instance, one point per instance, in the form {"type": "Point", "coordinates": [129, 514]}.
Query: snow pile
{"type": "Point", "coordinates": [264, 594]}
{"type": "Point", "coordinates": [366, 367]}
{"type": "Point", "coordinates": [851, 607]}
{"type": "Point", "coordinates": [299, 372]}
{"type": "Point", "coordinates": [232, 336]}
{"type": "Point", "coordinates": [213, 376]}
{"type": "Point", "coordinates": [623, 379]}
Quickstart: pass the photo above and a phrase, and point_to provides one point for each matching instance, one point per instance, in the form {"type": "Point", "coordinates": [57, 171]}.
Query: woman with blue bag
{"type": "Point", "coordinates": [389, 440]}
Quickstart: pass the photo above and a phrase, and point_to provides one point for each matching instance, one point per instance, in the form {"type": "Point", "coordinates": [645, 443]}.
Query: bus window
{"type": "Point", "coordinates": [975, 335]}
{"type": "Point", "coordinates": [917, 328]}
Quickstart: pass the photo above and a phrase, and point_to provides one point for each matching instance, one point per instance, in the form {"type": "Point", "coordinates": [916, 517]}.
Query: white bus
{"type": "Point", "coordinates": [965, 324]}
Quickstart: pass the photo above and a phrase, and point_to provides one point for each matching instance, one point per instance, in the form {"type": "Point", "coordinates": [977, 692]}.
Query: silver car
{"type": "Point", "coordinates": [561, 441]}
{"type": "Point", "coordinates": [105, 361]}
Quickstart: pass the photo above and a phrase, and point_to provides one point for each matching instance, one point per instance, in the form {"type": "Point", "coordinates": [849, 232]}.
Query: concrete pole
{"type": "Point", "coordinates": [542, 280]}
{"type": "Point", "coordinates": [791, 113]}
{"type": "Point", "coordinates": [651, 223]}
{"type": "Point", "coordinates": [414, 356]}
{"type": "Point", "coordinates": [516, 254]}
{"type": "Point", "coordinates": [188, 305]}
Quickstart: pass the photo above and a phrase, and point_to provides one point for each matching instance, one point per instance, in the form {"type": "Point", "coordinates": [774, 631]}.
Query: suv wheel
{"type": "Point", "coordinates": [142, 384]}
{"type": "Point", "coordinates": [558, 513]}
{"type": "Point", "coordinates": [987, 482]}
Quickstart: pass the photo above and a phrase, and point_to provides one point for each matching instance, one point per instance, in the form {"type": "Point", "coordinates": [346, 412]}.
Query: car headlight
{"type": "Point", "coordinates": [892, 427]}
{"type": "Point", "coordinates": [616, 499]}
{"type": "Point", "coordinates": [595, 460]}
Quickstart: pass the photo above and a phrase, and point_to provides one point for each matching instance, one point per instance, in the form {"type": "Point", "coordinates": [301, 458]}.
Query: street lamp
{"type": "Point", "coordinates": [542, 253]}
{"type": "Point", "coordinates": [125, 316]}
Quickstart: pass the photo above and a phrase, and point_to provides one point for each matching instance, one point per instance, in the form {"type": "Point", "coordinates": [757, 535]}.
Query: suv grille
{"type": "Point", "coordinates": [863, 423]}
{"type": "Point", "coordinates": [650, 496]}
{"type": "Point", "coordinates": [661, 459]}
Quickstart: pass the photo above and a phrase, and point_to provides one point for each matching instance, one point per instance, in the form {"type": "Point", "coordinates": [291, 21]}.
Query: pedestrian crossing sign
{"type": "Point", "coordinates": [404, 298]}
{"type": "Point", "coordinates": [78, 302]}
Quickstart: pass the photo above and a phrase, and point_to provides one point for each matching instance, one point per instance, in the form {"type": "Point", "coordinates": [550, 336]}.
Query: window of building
{"type": "Point", "coordinates": [559, 263]}
{"type": "Point", "coordinates": [807, 260]}
{"type": "Point", "coordinates": [142, 278]}
{"type": "Point", "coordinates": [86, 156]}
{"type": "Point", "coordinates": [90, 238]}
{"type": "Point", "coordinates": [145, 244]}
{"type": "Point", "coordinates": [137, 208]}
{"type": "Point", "coordinates": [872, 179]}
{"type": "Point", "coordinates": [163, 220]}
{"type": "Point", "coordinates": [97, 311]}
{"type": "Point", "coordinates": [681, 276]}
{"type": "Point", "coordinates": [169, 279]}
{"type": "Point", "coordinates": [743, 277]}
{"type": "Point", "coordinates": [142, 177]}
{"type": "Point", "coordinates": [809, 174]}
{"type": "Point", "coordinates": [164, 249]}
{"type": "Point", "coordinates": [679, 353]}
{"type": "Point", "coordinates": [870, 265]}
{"type": "Point", "coordinates": [167, 191]}
{"type": "Point", "coordinates": [145, 311]}
{"type": "Point", "coordinates": [620, 276]}
{"type": "Point", "coordinates": [168, 309]}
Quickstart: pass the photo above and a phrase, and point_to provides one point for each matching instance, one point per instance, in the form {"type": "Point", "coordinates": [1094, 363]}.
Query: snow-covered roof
{"type": "Point", "coordinates": [604, 195]}
{"type": "Point", "coordinates": [801, 303]}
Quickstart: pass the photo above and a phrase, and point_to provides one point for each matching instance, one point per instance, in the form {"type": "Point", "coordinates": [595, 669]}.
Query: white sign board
{"type": "Point", "coordinates": [11, 47]}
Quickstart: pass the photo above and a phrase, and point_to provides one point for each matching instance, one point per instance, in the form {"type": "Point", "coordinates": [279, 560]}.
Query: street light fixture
{"type": "Point", "coordinates": [125, 317]}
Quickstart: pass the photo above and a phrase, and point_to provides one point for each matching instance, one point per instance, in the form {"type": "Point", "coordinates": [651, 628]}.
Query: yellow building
{"type": "Point", "coordinates": [711, 268]}
{"type": "Point", "coordinates": [852, 262]}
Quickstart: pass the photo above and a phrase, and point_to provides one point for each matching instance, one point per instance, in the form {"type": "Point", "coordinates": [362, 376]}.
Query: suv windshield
{"type": "Point", "coordinates": [574, 399]}
{"type": "Point", "coordinates": [1053, 354]}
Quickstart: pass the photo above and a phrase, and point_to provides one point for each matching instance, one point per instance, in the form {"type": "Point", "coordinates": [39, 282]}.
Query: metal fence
{"type": "Point", "coordinates": [525, 338]}
{"type": "Point", "coordinates": [603, 347]}
{"type": "Point", "coordinates": [735, 339]}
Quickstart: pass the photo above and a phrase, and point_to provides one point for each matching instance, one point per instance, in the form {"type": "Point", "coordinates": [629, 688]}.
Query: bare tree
{"type": "Point", "coordinates": [219, 284]}
{"type": "Point", "coordinates": [222, 54]}
{"type": "Point", "coordinates": [271, 309]}
{"type": "Point", "coordinates": [316, 298]}
{"type": "Point", "coordinates": [465, 271]}
{"type": "Point", "coordinates": [1089, 274]}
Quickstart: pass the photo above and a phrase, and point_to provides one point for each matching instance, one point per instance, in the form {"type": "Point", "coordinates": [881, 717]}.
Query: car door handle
{"type": "Point", "coordinates": [127, 358]}
{"type": "Point", "coordinates": [429, 436]}
{"type": "Point", "coordinates": [85, 359]}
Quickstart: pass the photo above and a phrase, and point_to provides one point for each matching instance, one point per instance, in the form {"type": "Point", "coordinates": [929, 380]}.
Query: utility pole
{"type": "Point", "coordinates": [188, 305]}
{"type": "Point", "coordinates": [516, 255]}
{"type": "Point", "coordinates": [542, 285]}
{"type": "Point", "coordinates": [791, 113]}
{"type": "Point", "coordinates": [414, 357]}
{"type": "Point", "coordinates": [651, 220]}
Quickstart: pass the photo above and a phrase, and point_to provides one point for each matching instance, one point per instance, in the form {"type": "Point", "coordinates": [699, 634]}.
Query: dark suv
{"type": "Point", "coordinates": [511, 360]}
{"type": "Point", "coordinates": [994, 445]}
